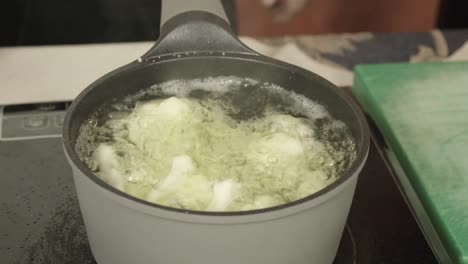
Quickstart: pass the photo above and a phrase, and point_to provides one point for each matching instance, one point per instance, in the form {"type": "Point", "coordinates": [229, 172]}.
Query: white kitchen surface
{"type": "Point", "coordinates": [59, 73]}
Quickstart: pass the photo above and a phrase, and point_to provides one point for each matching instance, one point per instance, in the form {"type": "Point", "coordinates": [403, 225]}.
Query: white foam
{"type": "Point", "coordinates": [301, 104]}
{"type": "Point", "coordinates": [182, 88]}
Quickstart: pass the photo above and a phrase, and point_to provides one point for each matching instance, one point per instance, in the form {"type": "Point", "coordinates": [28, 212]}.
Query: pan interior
{"type": "Point", "coordinates": [118, 92]}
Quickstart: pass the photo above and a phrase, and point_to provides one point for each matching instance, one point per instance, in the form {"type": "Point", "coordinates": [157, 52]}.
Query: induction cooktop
{"type": "Point", "coordinates": [40, 220]}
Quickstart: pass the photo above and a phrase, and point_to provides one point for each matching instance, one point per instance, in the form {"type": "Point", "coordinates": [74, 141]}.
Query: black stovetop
{"type": "Point", "coordinates": [40, 221]}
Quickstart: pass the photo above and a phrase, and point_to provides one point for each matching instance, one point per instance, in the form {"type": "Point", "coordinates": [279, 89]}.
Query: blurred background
{"type": "Point", "coordinates": [38, 22]}
{"type": "Point", "coordinates": [337, 16]}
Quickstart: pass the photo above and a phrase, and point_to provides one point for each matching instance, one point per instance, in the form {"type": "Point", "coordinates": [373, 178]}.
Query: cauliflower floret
{"type": "Point", "coordinates": [108, 166]}
{"type": "Point", "coordinates": [276, 147]}
{"type": "Point", "coordinates": [224, 194]}
{"type": "Point", "coordinates": [152, 118]}
{"type": "Point", "coordinates": [172, 108]}
{"type": "Point", "coordinates": [292, 125]}
{"type": "Point", "coordinates": [182, 187]}
{"type": "Point", "coordinates": [181, 166]}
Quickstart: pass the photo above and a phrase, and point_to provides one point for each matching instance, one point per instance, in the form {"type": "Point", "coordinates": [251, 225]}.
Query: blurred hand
{"type": "Point", "coordinates": [283, 10]}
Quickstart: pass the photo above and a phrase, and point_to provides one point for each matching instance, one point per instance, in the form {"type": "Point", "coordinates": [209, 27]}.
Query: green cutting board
{"type": "Point", "coordinates": [422, 112]}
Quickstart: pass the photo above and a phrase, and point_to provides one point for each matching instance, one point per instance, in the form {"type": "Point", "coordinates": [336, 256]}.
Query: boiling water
{"type": "Point", "coordinates": [216, 144]}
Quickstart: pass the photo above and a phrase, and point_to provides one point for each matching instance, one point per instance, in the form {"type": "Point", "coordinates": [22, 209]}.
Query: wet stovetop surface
{"type": "Point", "coordinates": [40, 221]}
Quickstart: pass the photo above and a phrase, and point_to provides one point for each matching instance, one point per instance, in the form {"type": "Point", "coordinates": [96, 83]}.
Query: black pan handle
{"type": "Point", "coordinates": [195, 27]}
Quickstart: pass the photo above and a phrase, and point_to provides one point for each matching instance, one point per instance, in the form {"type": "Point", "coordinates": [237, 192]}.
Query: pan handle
{"type": "Point", "coordinates": [195, 27]}
{"type": "Point", "coordinates": [172, 8]}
